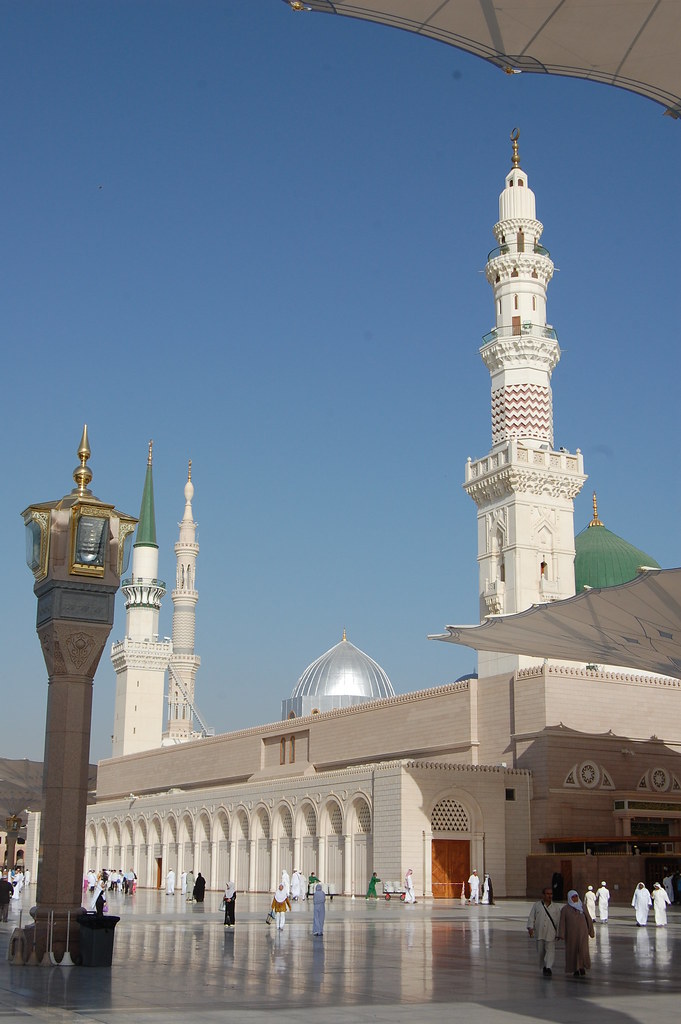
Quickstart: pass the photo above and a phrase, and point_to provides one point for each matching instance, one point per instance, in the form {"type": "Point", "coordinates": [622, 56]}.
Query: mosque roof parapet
{"type": "Point", "coordinates": [605, 675]}
{"type": "Point", "coordinates": [498, 769]}
{"type": "Point", "coordinates": [275, 728]}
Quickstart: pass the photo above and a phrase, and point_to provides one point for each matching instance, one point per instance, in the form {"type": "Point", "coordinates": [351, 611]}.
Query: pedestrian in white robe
{"type": "Point", "coordinates": [603, 898]}
{"type": "Point", "coordinates": [296, 885]}
{"type": "Point", "coordinates": [286, 882]}
{"type": "Point", "coordinates": [474, 883]}
{"type": "Point", "coordinates": [170, 883]}
{"type": "Point", "coordinates": [183, 883]}
{"type": "Point", "coordinates": [668, 883]}
{"type": "Point", "coordinates": [660, 901]}
{"type": "Point", "coordinates": [590, 901]}
{"type": "Point", "coordinates": [486, 890]}
{"type": "Point", "coordinates": [190, 887]}
{"type": "Point", "coordinates": [409, 894]}
{"type": "Point", "coordinates": [641, 903]}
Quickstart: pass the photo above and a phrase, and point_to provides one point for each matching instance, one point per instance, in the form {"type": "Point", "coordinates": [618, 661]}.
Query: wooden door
{"type": "Point", "coordinates": [451, 861]}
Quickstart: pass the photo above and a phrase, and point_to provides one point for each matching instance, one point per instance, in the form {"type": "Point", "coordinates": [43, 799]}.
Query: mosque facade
{"type": "Point", "coordinates": [526, 770]}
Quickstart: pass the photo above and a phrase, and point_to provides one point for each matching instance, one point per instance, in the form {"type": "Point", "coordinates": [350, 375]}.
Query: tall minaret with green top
{"type": "Point", "coordinates": [141, 659]}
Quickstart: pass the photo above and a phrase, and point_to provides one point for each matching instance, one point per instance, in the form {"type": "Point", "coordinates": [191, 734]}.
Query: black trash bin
{"type": "Point", "coordinates": [97, 939]}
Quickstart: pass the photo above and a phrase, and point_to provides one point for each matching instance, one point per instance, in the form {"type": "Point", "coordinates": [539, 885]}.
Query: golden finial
{"type": "Point", "coordinates": [189, 471]}
{"type": "Point", "coordinates": [595, 521]}
{"type": "Point", "coordinates": [151, 448]}
{"type": "Point", "coordinates": [515, 135]}
{"type": "Point", "coordinates": [344, 634]}
{"type": "Point", "coordinates": [83, 474]}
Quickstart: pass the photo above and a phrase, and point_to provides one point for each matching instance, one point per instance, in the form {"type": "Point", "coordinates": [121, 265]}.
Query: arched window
{"type": "Point", "coordinates": [282, 751]}
{"type": "Point", "coordinates": [292, 751]}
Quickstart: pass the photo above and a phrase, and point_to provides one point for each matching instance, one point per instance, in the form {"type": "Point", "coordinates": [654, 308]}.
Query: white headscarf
{"type": "Point", "coordinates": [230, 889]}
{"type": "Point", "coordinates": [575, 904]}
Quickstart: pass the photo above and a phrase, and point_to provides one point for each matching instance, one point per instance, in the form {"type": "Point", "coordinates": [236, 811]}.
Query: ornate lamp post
{"type": "Point", "coordinates": [77, 549]}
{"type": "Point", "coordinates": [12, 824]}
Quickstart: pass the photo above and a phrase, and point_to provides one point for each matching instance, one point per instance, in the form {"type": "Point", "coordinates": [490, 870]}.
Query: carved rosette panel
{"type": "Point", "coordinates": [68, 650]}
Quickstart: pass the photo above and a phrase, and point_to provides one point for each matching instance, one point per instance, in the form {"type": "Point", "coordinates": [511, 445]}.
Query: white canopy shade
{"type": "Point", "coordinates": [634, 44]}
{"type": "Point", "coordinates": [636, 625]}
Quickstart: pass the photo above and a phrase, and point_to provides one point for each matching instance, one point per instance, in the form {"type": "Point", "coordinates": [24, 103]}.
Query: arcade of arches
{"type": "Point", "coordinates": [442, 820]}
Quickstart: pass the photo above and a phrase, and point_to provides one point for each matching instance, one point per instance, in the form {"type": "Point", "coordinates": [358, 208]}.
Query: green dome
{"type": "Point", "coordinates": [602, 559]}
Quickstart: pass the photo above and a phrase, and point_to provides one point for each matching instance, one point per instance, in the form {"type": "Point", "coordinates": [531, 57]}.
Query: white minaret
{"type": "Point", "coordinates": [524, 488]}
{"type": "Point", "coordinates": [184, 663]}
{"type": "Point", "coordinates": [141, 659]}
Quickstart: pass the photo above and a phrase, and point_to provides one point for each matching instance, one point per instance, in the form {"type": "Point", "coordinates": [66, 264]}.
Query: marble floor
{"type": "Point", "coordinates": [377, 961]}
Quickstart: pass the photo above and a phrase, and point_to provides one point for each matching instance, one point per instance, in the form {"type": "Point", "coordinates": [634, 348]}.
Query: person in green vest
{"type": "Point", "coordinates": [371, 891]}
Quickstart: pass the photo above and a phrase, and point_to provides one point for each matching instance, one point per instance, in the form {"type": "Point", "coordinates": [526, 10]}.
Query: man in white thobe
{"type": "Point", "coordinates": [474, 883]}
{"type": "Point", "coordinates": [660, 901]}
{"type": "Point", "coordinates": [641, 903]}
{"type": "Point", "coordinates": [602, 899]}
{"type": "Point", "coordinates": [170, 883]}
{"type": "Point", "coordinates": [542, 925]}
{"type": "Point", "coordinates": [183, 883]}
{"type": "Point", "coordinates": [668, 883]}
{"type": "Point", "coordinates": [296, 880]}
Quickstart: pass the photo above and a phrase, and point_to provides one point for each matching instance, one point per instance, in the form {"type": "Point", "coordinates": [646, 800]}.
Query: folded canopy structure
{"type": "Point", "coordinates": [636, 625]}
{"type": "Point", "coordinates": [634, 44]}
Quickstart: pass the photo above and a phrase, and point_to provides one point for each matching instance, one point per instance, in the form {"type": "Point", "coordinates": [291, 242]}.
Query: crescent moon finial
{"type": "Point", "coordinates": [515, 135]}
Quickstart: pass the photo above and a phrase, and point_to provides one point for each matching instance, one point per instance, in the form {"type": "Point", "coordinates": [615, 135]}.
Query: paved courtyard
{"type": "Point", "coordinates": [377, 961]}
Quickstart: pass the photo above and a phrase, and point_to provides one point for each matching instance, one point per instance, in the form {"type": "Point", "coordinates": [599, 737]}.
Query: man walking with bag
{"type": "Point", "coordinates": [542, 924]}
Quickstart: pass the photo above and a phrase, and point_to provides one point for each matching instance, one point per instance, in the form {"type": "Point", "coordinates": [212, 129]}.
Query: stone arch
{"type": "Point", "coordinates": [241, 831]}
{"type": "Point", "coordinates": [221, 825]}
{"type": "Point", "coordinates": [360, 827]}
{"type": "Point", "coordinates": [360, 818]}
{"type": "Point", "coordinates": [241, 823]}
{"type": "Point", "coordinates": [306, 819]}
{"type": "Point", "coordinates": [90, 847]}
{"type": "Point", "coordinates": [331, 817]}
{"type": "Point", "coordinates": [332, 856]}
{"type": "Point", "coordinates": [102, 845]}
{"type": "Point", "coordinates": [170, 830]}
{"type": "Point", "coordinates": [223, 847]}
{"type": "Point", "coordinates": [261, 823]}
{"type": "Point", "coordinates": [141, 830]}
{"type": "Point", "coordinates": [186, 829]}
{"type": "Point", "coordinates": [306, 832]}
{"type": "Point", "coordinates": [456, 830]}
{"type": "Point", "coordinates": [142, 850]}
{"type": "Point", "coordinates": [261, 833]}
{"type": "Point", "coordinates": [283, 821]}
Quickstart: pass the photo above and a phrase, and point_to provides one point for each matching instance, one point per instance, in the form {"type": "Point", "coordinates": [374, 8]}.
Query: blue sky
{"type": "Point", "coordinates": [258, 238]}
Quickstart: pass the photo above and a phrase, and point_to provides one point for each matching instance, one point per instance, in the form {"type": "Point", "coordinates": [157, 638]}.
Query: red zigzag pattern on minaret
{"type": "Point", "coordinates": [522, 410]}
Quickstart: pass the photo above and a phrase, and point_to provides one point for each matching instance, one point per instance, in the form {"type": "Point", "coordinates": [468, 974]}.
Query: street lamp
{"type": "Point", "coordinates": [77, 548]}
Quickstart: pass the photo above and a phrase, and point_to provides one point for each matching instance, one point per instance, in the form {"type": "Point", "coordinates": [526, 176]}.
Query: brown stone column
{"type": "Point", "coordinates": [72, 647]}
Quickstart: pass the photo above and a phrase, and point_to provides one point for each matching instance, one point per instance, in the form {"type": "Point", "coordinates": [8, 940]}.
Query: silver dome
{"type": "Point", "coordinates": [341, 677]}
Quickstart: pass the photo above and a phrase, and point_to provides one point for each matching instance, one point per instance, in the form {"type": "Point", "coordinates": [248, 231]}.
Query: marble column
{"type": "Point", "coordinates": [347, 865]}
{"type": "Point", "coordinates": [252, 853]}
{"type": "Point", "coordinates": [72, 651]}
